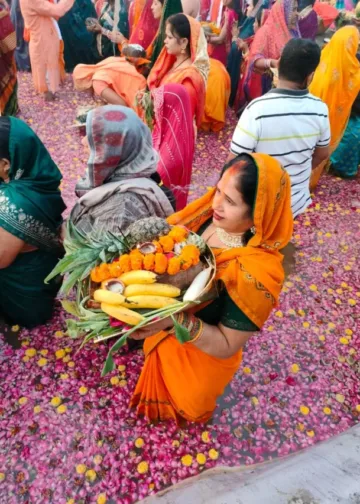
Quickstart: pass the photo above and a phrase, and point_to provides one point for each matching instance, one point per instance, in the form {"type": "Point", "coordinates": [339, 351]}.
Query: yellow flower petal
{"type": "Point", "coordinates": [247, 370]}
{"type": "Point", "coordinates": [26, 342]}
{"type": "Point", "coordinates": [205, 437]}
{"type": "Point", "coordinates": [42, 362]}
{"type": "Point", "coordinates": [44, 352]}
{"type": "Point", "coordinates": [71, 364]}
{"type": "Point", "coordinates": [59, 354]}
{"type": "Point", "coordinates": [143, 467]}
{"type": "Point", "coordinates": [327, 410]}
{"type": "Point", "coordinates": [176, 443]}
{"type": "Point", "coordinates": [97, 459]}
{"type": "Point", "coordinates": [25, 358]}
{"type": "Point", "coordinates": [64, 376]}
{"type": "Point", "coordinates": [67, 358]}
{"type": "Point", "coordinates": [348, 332]}
{"type": "Point", "coordinates": [68, 349]}
{"type": "Point", "coordinates": [23, 400]}
{"type": "Point", "coordinates": [122, 383]}
{"type": "Point", "coordinates": [37, 409]}
{"type": "Point", "coordinates": [352, 302]}
{"type": "Point", "coordinates": [101, 499]}
{"type": "Point", "coordinates": [357, 407]}
{"type": "Point", "coordinates": [310, 433]}
{"type": "Point", "coordinates": [340, 398]}
{"type": "Point", "coordinates": [30, 352]}
{"type": "Point", "coordinates": [313, 287]}
{"type": "Point", "coordinates": [55, 401]}
{"type": "Point", "coordinates": [344, 341]}
{"type": "Point", "coordinates": [81, 468]}
{"type": "Point", "coordinates": [213, 454]}
{"type": "Point", "coordinates": [2, 476]}
{"type": "Point", "coordinates": [91, 475]}
{"type": "Point", "coordinates": [254, 401]}
{"type": "Point", "coordinates": [295, 368]}
{"type": "Point", "coordinates": [331, 325]}
{"type": "Point", "coordinates": [114, 380]}
{"type": "Point", "coordinates": [139, 442]}
{"type": "Point", "coordinates": [59, 334]}
{"type": "Point", "coordinates": [301, 313]}
{"type": "Point", "coordinates": [83, 390]}
{"type": "Point", "coordinates": [201, 458]}
{"type": "Point", "coordinates": [306, 325]}
{"type": "Point", "coordinates": [121, 368]}
{"type": "Point", "coordinates": [279, 314]}
{"type": "Point", "coordinates": [322, 338]}
{"type": "Point", "coordinates": [186, 460]}
{"type": "Point", "coordinates": [61, 409]}
{"type": "Point", "coordinates": [304, 410]}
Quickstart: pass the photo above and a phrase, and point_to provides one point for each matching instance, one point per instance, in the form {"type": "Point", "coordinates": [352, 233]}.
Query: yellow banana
{"type": "Point", "coordinates": [123, 314]}
{"type": "Point", "coordinates": [105, 296]}
{"type": "Point", "coordinates": [137, 302]}
{"type": "Point", "coordinates": [156, 289]}
{"type": "Point", "coordinates": [138, 277]}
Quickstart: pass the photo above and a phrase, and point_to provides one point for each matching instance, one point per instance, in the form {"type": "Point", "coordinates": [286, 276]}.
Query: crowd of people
{"type": "Point", "coordinates": [160, 70]}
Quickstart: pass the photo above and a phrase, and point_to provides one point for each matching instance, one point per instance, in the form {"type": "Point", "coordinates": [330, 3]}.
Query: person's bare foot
{"type": "Point", "coordinates": [49, 96]}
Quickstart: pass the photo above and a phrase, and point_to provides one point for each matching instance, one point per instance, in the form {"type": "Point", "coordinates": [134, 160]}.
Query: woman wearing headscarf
{"type": "Point", "coordinates": [8, 75]}
{"type": "Point", "coordinates": [308, 19]}
{"type": "Point", "coordinates": [269, 41]}
{"type": "Point", "coordinates": [337, 83]}
{"type": "Point", "coordinates": [22, 47]}
{"type": "Point", "coordinates": [30, 221]}
{"type": "Point", "coordinates": [246, 220]}
{"type": "Point", "coordinates": [121, 184]}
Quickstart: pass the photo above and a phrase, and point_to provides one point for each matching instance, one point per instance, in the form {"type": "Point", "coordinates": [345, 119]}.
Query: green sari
{"type": "Point", "coordinates": [30, 209]}
{"type": "Point", "coordinates": [107, 48]}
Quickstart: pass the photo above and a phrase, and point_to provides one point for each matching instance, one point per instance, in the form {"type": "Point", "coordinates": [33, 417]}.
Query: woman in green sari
{"type": "Point", "coordinates": [30, 223]}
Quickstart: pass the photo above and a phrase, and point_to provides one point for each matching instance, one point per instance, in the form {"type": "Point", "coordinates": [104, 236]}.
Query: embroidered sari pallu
{"type": "Point", "coordinates": [181, 381]}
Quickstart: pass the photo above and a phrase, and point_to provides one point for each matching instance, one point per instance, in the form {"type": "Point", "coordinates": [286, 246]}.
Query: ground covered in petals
{"type": "Point", "coordinates": [67, 435]}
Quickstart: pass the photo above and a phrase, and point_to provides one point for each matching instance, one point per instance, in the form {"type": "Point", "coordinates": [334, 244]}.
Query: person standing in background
{"type": "Point", "coordinates": [22, 57]}
{"type": "Point", "coordinates": [44, 42]}
{"type": "Point", "coordinates": [8, 79]}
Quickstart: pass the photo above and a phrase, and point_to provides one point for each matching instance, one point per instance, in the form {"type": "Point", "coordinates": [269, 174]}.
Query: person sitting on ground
{"type": "Point", "coordinates": [289, 123]}
{"type": "Point", "coordinates": [121, 184]}
{"type": "Point", "coordinates": [30, 223]}
{"type": "Point", "coordinates": [337, 82]}
{"type": "Point", "coordinates": [246, 220]}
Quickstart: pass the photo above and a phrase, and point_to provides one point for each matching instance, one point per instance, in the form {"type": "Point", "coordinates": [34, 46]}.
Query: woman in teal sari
{"type": "Point", "coordinates": [30, 222]}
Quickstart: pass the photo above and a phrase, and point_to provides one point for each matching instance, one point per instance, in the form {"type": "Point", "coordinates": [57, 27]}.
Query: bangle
{"type": "Point", "coordinates": [199, 332]}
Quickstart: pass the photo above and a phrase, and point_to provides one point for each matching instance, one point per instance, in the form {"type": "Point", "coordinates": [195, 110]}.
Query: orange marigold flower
{"type": "Point", "coordinates": [174, 266]}
{"type": "Point", "coordinates": [103, 272]}
{"type": "Point", "coordinates": [190, 253]}
{"type": "Point", "coordinates": [149, 262]}
{"type": "Point", "coordinates": [95, 275]}
{"type": "Point", "coordinates": [135, 252]}
{"type": "Point", "coordinates": [159, 248]}
{"type": "Point", "coordinates": [136, 261]}
{"type": "Point", "coordinates": [124, 262]}
{"type": "Point", "coordinates": [185, 265]}
{"type": "Point", "coordinates": [167, 243]}
{"type": "Point", "coordinates": [178, 234]}
{"type": "Point", "coordinates": [161, 263]}
{"type": "Point", "coordinates": [115, 269]}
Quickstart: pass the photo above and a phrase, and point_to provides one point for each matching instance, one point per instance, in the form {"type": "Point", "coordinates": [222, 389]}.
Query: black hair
{"type": "Point", "coordinates": [299, 59]}
{"type": "Point", "coordinates": [4, 137]}
{"type": "Point", "coordinates": [246, 184]}
{"type": "Point", "coordinates": [305, 3]}
{"type": "Point", "coordinates": [235, 6]}
{"type": "Point", "coordinates": [180, 27]}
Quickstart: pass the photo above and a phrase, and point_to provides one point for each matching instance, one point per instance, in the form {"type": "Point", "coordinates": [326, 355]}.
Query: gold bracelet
{"type": "Point", "coordinates": [199, 333]}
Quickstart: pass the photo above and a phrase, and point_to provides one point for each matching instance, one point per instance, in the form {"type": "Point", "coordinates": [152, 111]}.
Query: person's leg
{"type": "Point", "coordinates": [103, 90]}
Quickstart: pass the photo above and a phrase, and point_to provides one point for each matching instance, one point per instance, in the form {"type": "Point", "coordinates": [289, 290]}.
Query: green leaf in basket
{"type": "Point", "coordinates": [109, 363]}
{"type": "Point", "coordinates": [73, 330]}
{"type": "Point", "coordinates": [181, 333]}
{"type": "Point", "coordinates": [71, 307]}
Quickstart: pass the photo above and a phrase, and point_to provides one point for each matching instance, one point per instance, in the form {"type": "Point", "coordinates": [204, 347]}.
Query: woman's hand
{"type": "Point", "coordinates": [274, 63]}
{"type": "Point", "coordinates": [145, 332]}
{"type": "Point", "coordinates": [116, 37]}
{"type": "Point", "coordinates": [235, 31]}
{"type": "Point", "coordinates": [94, 26]}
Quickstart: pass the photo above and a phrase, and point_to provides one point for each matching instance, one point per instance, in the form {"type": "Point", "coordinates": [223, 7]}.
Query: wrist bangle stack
{"type": "Point", "coordinates": [193, 324]}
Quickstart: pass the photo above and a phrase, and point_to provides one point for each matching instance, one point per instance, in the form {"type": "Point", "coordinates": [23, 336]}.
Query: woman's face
{"type": "Point", "coordinates": [230, 211]}
{"type": "Point", "coordinates": [250, 8]}
{"type": "Point", "coordinates": [4, 170]}
{"type": "Point", "coordinates": [173, 45]}
{"type": "Point", "coordinates": [156, 8]}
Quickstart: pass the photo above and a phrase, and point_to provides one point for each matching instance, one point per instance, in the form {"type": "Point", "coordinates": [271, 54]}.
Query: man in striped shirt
{"type": "Point", "coordinates": [289, 123]}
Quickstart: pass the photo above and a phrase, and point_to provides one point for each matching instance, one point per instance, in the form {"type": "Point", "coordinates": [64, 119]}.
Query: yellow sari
{"type": "Point", "coordinates": [181, 381]}
{"type": "Point", "coordinates": [337, 83]}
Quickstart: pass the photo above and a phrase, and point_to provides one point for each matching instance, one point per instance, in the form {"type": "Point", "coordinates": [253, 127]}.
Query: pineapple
{"type": "Point", "coordinates": [145, 230]}
{"type": "Point", "coordinates": [198, 241]}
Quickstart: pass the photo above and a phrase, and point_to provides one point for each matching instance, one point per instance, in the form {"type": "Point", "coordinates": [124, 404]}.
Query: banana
{"type": "Point", "coordinates": [137, 302]}
{"type": "Point", "coordinates": [155, 289]}
{"type": "Point", "coordinates": [123, 314]}
{"type": "Point", "coordinates": [105, 296]}
{"type": "Point", "coordinates": [138, 277]}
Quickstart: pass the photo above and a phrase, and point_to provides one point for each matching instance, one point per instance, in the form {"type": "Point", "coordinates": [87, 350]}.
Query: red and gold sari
{"type": "Point", "coordinates": [181, 381]}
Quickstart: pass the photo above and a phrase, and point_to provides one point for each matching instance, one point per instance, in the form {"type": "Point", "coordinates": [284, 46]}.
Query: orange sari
{"type": "Point", "coordinates": [181, 381]}
{"type": "Point", "coordinates": [193, 78]}
{"type": "Point", "coordinates": [337, 83]}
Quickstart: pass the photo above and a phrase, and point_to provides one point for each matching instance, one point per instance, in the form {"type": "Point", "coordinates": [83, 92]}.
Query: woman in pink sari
{"type": "Point", "coordinates": [220, 45]}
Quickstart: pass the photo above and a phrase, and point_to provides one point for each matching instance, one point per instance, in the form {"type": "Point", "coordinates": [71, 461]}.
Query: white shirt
{"type": "Point", "coordinates": [288, 125]}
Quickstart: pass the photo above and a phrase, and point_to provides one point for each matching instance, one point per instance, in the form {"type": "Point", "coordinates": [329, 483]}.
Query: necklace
{"type": "Point", "coordinates": [231, 241]}
{"type": "Point", "coordinates": [177, 66]}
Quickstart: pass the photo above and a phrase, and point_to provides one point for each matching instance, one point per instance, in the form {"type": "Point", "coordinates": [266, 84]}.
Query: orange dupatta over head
{"type": "Point", "coordinates": [337, 83]}
{"type": "Point", "coordinates": [197, 73]}
{"type": "Point", "coordinates": [253, 275]}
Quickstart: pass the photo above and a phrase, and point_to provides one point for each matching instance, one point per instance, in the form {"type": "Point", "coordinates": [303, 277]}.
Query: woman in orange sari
{"type": "Point", "coordinates": [337, 83]}
{"type": "Point", "coordinates": [246, 220]}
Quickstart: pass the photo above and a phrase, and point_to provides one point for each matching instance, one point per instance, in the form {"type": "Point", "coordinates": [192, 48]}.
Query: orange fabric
{"type": "Point", "coordinates": [38, 20]}
{"type": "Point", "coordinates": [337, 83]}
{"type": "Point", "coordinates": [182, 382]}
{"type": "Point", "coordinates": [190, 77]}
{"type": "Point", "coordinates": [117, 73]}
{"type": "Point", "coordinates": [137, 8]}
{"type": "Point", "coordinates": [217, 97]}
{"type": "Point", "coordinates": [215, 9]}
{"type": "Point", "coordinates": [328, 13]}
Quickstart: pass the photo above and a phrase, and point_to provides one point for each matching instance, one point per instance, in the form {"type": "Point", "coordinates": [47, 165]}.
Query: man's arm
{"type": "Point", "coordinates": [322, 149]}
{"type": "Point", "coordinates": [320, 154]}
{"type": "Point", "coordinates": [245, 137]}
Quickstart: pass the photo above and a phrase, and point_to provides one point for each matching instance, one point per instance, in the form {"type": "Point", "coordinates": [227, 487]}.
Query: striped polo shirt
{"type": "Point", "coordinates": [288, 125]}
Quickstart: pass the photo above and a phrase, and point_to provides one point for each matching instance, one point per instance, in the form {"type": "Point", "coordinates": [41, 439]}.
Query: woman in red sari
{"type": "Point", "coordinates": [265, 51]}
